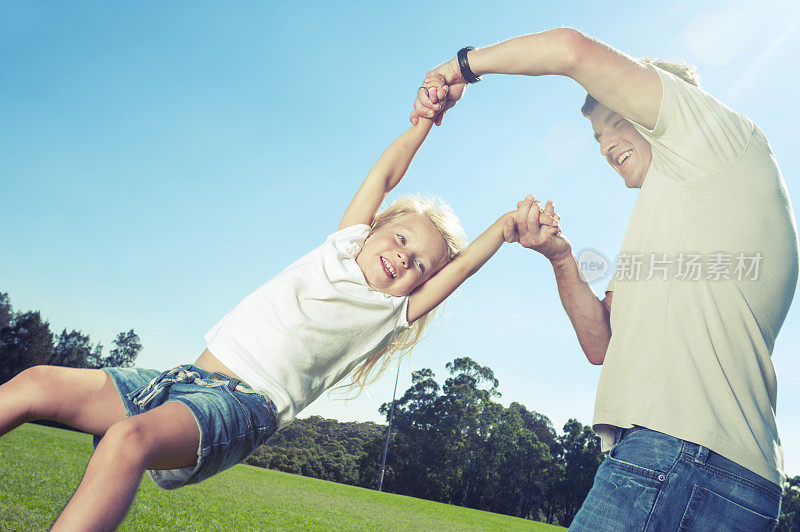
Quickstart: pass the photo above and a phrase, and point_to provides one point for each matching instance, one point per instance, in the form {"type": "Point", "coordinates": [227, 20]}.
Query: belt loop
{"type": "Point", "coordinates": [617, 435]}
{"type": "Point", "coordinates": [232, 384]}
{"type": "Point", "coordinates": [702, 455]}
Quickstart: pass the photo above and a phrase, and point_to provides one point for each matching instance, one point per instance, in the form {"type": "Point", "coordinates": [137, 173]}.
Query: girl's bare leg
{"type": "Point", "coordinates": [166, 437]}
{"type": "Point", "coordinates": [82, 398]}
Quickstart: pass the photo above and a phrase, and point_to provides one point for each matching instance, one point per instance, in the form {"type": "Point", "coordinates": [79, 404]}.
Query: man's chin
{"type": "Point", "coordinates": [632, 182]}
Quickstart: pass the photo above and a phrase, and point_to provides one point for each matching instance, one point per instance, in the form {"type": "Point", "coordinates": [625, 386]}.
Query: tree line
{"type": "Point", "coordinates": [320, 448]}
{"type": "Point", "coordinates": [455, 444]}
{"type": "Point", "coordinates": [452, 443]}
{"type": "Point", "coordinates": [26, 341]}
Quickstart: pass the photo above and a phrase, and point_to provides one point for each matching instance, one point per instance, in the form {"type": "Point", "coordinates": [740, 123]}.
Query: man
{"type": "Point", "coordinates": [686, 397]}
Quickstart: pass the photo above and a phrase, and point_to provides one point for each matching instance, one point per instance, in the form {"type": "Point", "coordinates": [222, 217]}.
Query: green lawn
{"type": "Point", "coordinates": [40, 467]}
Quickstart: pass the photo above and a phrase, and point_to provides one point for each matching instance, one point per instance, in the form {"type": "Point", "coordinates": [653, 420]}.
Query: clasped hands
{"type": "Point", "coordinates": [537, 228]}
{"type": "Point", "coordinates": [532, 226]}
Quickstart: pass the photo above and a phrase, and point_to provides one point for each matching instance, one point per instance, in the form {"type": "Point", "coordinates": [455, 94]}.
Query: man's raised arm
{"type": "Point", "coordinates": [618, 81]}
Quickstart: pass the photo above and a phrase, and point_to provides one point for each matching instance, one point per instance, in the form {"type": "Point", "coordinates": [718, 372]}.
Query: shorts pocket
{"type": "Point", "coordinates": [240, 398]}
{"type": "Point", "coordinates": [708, 511]}
{"type": "Point", "coordinates": [265, 420]}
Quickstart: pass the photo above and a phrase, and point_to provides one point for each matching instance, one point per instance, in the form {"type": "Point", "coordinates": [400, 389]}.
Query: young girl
{"type": "Point", "coordinates": [368, 289]}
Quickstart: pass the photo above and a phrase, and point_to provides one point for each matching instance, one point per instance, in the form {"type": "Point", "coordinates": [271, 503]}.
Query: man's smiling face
{"type": "Point", "coordinates": [625, 149]}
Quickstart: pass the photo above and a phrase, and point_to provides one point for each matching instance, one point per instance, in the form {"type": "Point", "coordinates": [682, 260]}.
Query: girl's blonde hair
{"type": "Point", "coordinates": [447, 223]}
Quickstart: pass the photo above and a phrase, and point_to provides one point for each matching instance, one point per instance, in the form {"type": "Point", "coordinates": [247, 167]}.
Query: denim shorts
{"type": "Point", "coordinates": [653, 481]}
{"type": "Point", "coordinates": [234, 420]}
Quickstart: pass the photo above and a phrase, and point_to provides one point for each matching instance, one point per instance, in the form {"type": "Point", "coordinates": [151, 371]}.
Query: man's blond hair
{"type": "Point", "coordinates": [684, 71]}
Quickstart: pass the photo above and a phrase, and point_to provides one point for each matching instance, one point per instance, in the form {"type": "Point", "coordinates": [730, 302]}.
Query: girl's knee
{"type": "Point", "coordinates": [22, 397]}
{"type": "Point", "coordinates": [127, 440]}
{"type": "Point", "coordinates": [35, 382]}
{"type": "Point", "coordinates": [34, 375]}
{"type": "Point", "coordinates": [81, 398]}
{"type": "Point", "coordinates": [43, 377]}
{"type": "Point", "coordinates": [38, 385]}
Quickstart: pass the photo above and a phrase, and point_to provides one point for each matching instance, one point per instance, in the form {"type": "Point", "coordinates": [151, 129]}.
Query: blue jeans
{"type": "Point", "coordinates": [653, 481]}
{"type": "Point", "coordinates": [233, 419]}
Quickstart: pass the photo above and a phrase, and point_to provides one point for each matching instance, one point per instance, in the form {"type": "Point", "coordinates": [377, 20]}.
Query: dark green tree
{"type": "Point", "coordinates": [328, 435]}
{"type": "Point", "coordinates": [6, 315]}
{"type": "Point", "coordinates": [126, 348]}
{"type": "Point", "coordinates": [318, 447]}
{"type": "Point", "coordinates": [580, 456]}
{"type": "Point", "coordinates": [790, 506]}
{"type": "Point", "coordinates": [534, 464]}
{"type": "Point", "coordinates": [457, 445]}
{"type": "Point", "coordinates": [468, 415]}
{"type": "Point", "coordinates": [25, 342]}
{"type": "Point", "coordinates": [539, 424]}
{"type": "Point", "coordinates": [415, 445]}
{"type": "Point", "coordinates": [515, 462]}
{"type": "Point", "coordinates": [73, 349]}
{"type": "Point", "coordinates": [333, 466]}
{"type": "Point", "coordinates": [452, 444]}
{"type": "Point", "coordinates": [6, 312]}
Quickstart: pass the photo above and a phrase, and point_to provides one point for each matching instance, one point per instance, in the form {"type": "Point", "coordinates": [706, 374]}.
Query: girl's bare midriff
{"type": "Point", "coordinates": [209, 362]}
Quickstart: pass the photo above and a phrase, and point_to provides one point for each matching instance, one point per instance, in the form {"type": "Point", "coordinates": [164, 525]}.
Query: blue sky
{"type": "Point", "coordinates": [159, 161]}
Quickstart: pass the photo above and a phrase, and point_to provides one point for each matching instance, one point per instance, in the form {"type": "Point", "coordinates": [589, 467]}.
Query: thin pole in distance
{"type": "Point", "coordinates": [388, 429]}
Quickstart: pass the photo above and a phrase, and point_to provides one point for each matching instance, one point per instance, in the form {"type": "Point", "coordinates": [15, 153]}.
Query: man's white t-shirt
{"type": "Point", "coordinates": [309, 326]}
{"type": "Point", "coordinates": [704, 280]}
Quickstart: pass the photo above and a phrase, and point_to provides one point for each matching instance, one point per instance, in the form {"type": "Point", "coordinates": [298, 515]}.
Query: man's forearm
{"type": "Point", "coordinates": [619, 82]}
{"type": "Point", "coordinates": [589, 316]}
{"type": "Point", "coordinates": [537, 54]}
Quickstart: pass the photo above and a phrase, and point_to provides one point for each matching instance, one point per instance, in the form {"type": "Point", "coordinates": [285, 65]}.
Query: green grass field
{"type": "Point", "coordinates": [40, 467]}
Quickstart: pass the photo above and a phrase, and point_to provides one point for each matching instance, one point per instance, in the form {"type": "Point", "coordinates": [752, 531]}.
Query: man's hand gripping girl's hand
{"type": "Point", "coordinates": [537, 229]}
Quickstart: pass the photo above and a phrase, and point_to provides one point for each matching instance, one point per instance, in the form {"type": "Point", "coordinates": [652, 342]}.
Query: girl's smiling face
{"type": "Point", "coordinates": [401, 255]}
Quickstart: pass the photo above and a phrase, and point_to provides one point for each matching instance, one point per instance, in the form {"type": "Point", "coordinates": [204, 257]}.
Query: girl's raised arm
{"type": "Point", "coordinates": [427, 296]}
{"type": "Point", "coordinates": [391, 167]}
{"type": "Point", "coordinates": [541, 227]}
{"type": "Point", "coordinates": [385, 175]}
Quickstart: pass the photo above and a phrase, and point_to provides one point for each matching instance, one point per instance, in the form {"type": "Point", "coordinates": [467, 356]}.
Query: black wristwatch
{"type": "Point", "coordinates": [463, 64]}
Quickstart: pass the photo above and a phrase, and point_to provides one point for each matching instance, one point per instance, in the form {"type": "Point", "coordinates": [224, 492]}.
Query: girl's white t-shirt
{"type": "Point", "coordinates": [309, 326]}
